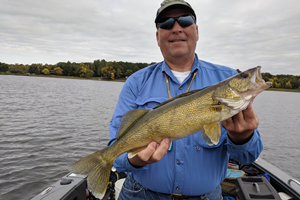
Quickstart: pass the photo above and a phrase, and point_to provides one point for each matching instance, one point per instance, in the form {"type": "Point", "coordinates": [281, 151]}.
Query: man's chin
{"type": "Point", "coordinates": [179, 54]}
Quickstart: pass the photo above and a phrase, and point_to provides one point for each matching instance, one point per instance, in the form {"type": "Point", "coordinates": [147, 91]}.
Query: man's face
{"type": "Point", "coordinates": [177, 42]}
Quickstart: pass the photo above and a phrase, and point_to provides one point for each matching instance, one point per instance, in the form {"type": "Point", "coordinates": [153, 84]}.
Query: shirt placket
{"type": "Point", "coordinates": [176, 88]}
{"type": "Point", "coordinates": [179, 174]}
{"type": "Point", "coordinates": [179, 167]}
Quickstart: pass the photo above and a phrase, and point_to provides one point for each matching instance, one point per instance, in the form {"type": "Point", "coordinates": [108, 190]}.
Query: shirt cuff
{"type": "Point", "coordinates": [126, 164]}
{"type": "Point", "coordinates": [243, 147]}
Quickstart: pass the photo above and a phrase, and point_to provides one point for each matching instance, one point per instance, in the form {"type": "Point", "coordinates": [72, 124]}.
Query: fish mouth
{"type": "Point", "coordinates": [258, 80]}
{"type": "Point", "coordinates": [258, 85]}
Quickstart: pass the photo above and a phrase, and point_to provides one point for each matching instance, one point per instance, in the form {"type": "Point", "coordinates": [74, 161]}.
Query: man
{"type": "Point", "coordinates": [187, 168]}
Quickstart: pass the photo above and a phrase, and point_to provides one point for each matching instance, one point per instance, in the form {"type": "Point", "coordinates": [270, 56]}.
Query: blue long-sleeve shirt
{"type": "Point", "coordinates": [191, 167]}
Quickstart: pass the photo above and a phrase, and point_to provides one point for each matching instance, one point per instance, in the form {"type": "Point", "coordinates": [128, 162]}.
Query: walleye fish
{"type": "Point", "coordinates": [198, 110]}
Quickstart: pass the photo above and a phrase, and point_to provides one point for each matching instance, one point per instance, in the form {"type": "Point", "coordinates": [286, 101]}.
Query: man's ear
{"type": "Point", "coordinates": [157, 38]}
{"type": "Point", "coordinates": [197, 32]}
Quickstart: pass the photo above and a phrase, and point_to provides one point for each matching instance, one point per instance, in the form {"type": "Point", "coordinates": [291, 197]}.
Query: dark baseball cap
{"type": "Point", "coordinates": [171, 4]}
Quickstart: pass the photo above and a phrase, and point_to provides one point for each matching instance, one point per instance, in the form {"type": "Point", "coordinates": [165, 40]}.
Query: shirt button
{"type": "Point", "coordinates": [178, 162]}
{"type": "Point", "coordinates": [177, 188]}
{"type": "Point", "coordinates": [198, 148]}
{"type": "Point", "coordinates": [180, 88]}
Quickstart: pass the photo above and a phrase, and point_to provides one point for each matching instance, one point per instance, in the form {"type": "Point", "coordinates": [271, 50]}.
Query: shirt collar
{"type": "Point", "coordinates": [195, 66]}
{"type": "Point", "coordinates": [167, 70]}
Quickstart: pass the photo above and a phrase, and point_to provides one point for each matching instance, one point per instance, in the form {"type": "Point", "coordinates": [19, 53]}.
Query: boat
{"type": "Point", "coordinates": [74, 186]}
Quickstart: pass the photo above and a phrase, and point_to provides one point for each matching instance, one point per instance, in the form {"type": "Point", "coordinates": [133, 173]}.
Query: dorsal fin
{"type": "Point", "coordinates": [178, 97]}
{"type": "Point", "coordinates": [129, 119]}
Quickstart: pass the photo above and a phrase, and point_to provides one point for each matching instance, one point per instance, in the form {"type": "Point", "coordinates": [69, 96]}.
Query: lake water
{"type": "Point", "coordinates": [46, 124]}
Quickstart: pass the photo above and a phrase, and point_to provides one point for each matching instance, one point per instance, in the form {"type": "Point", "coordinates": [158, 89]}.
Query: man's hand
{"type": "Point", "coordinates": [240, 127]}
{"type": "Point", "coordinates": [153, 153]}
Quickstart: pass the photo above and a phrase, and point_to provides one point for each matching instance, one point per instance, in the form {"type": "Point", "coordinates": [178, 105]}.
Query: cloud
{"type": "Point", "coordinates": [244, 34]}
{"type": "Point", "coordinates": [238, 34]}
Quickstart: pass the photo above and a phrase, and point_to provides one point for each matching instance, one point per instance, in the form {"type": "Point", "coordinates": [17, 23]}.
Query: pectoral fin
{"type": "Point", "coordinates": [206, 138]}
{"type": "Point", "coordinates": [211, 133]}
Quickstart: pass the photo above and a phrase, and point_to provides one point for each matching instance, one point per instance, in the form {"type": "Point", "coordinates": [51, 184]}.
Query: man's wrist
{"type": "Point", "coordinates": [240, 138]}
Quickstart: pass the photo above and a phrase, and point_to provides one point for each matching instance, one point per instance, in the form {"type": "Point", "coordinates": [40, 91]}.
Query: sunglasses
{"type": "Point", "coordinates": [183, 21]}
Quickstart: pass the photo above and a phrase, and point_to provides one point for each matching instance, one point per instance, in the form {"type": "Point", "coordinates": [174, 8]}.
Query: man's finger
{"type": "Point", "coordinates": [226, 123]}
{"type": "Point", "coordinates": [161, 150]}
{"type": "Point", "coordinates": [249, 113]}
{"type": "Point", "coordinates": [146, 154]}
{"type": "Point", "coordinates": [142, 158]}
{"type": "Point", "coordinates": [238, 118]}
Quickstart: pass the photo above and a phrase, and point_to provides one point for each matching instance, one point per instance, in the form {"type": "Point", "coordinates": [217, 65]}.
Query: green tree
{"type": "Point", "coordinates": [3, 67]}
{"type": "Point", "coordinates": [75, 68]}
{"type": "Point", "coordinates": [108, 71]}
{"type": "Point", "coordinates": [266, 76]}
{"type": "Point", "coordinates": [135, 68]}
{"type": "Point", "coordinates": [118, 68]}
{"type": "Point", "coordinates": [295, 83]}
{"type": "Point", "coordinates": [46, 71]}
{"type": "Point", "coordinates": [276, 85]}
{"type": "Point", "coordinates": [128, 72]}
{"type": "Point", "coordinates": [119, 73]}
{"type": "Point", "coordinates": [89, 73]}
{"type": "Point", "coordinates": [84, 71]}
{"type": "Point", "coordinates": [35, 68]}
{"type": "Point", "coordinates": [288, 85]}
{"type": "Point", "coordinates": [67, 68]}
{"type": "Point", "coordinates": [58, 70]}
{"type": "Point", "coordinates": [98, 66]}
{"type": "Point", "coordinates": [283, 80]}
{"type": "Point", "coordinates": [81, 70]}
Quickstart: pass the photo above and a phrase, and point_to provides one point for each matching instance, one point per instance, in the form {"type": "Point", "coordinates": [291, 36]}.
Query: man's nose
{"type": "Point", "coordinates": [176, 27]}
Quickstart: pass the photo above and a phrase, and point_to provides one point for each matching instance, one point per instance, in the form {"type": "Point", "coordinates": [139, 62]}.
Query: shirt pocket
{"type": "Point", "coordinates": [149, 102]}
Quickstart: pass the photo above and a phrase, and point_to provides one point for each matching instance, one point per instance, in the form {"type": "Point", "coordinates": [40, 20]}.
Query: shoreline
{"type": "Point", "coordinates": [67, 77]}
{"type": "Point", "coordinates": [123, 80]}
{"type": "Point", "coordinates": [283, 90]}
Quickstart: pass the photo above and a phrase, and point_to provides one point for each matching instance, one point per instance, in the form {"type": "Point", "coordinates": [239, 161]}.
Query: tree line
{"type": "Point", "coordinates": [285, 81]}
{"type": "Point", "coordinates": [98, 68]}
{"type": "Point", "coordinates": [282, 80]}
{"type": "Point", "coordinates": [117, 70]}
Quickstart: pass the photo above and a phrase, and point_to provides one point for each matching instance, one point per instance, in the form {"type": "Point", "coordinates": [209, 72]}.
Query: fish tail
{"type": "Point", "coordinates": [98, 167]}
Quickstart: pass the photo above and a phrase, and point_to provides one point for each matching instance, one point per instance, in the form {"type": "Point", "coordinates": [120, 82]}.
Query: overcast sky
{"type": "Point", "coordinates": [237, 33]}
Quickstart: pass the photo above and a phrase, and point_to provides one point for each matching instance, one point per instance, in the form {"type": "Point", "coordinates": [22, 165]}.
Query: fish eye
{"type": "Point", "coordinates": [244, 74]}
